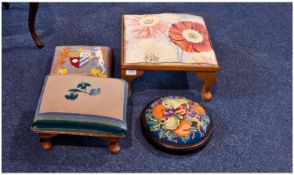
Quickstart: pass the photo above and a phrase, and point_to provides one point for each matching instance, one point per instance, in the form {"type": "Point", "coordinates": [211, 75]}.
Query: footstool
{"type": "Point", "coordinates": [177, 42]}
{"type": "Point", "coordinates": [176, 124]}
{"type": "Point", "coordinates": [85, 60]}
{"type": "Point", "coordinates": [82, 105]}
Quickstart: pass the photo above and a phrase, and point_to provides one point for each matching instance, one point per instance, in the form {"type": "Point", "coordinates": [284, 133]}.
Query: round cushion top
{"type": "Point", "coordinates": [176, 123]}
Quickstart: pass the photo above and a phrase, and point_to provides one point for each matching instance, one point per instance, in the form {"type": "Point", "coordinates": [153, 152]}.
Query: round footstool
{"type": "Point", "coordinates": [176, 123]}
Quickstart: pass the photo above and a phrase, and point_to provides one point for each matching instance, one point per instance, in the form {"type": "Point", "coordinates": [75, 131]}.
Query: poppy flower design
{"type": "Point", "coordinates": [190, 36]}
{"type": "Point", "coordinates": [146, 26]}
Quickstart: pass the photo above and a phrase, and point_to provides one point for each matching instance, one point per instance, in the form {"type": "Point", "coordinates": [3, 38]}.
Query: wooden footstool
{"type": "Point", "coordinates": [82, 105]}
{"type": "Point", "coordinates": [178, 42]}
{"type": "Point", "coordinates": [83, 60]}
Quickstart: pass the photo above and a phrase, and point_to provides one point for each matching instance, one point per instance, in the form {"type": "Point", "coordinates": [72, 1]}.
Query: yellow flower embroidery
{"type": "Point", "coordinates": [62, 71]}
{"type": "Point", "coordinates": [96, 72]}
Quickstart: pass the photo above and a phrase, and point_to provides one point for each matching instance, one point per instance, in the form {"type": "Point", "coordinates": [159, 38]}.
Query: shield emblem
{"type": "Point", "coordinates": [80, 60]}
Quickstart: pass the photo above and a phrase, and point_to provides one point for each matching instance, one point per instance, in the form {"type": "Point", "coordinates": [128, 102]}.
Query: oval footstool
{"type": "Point", "coordinates": [176, 123]}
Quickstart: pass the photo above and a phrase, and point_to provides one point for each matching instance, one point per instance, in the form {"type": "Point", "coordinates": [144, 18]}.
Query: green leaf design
{"type": "Point", "coordinates": [179, 116]}
{"type": "Point", "coordinates": [83, 85]}
{"type": "Point", "coordinates": [186, 138]}
{"type": "Point", "coordinates": [74, 90]}
{"type": "Point", "coordinates": [171, 123]}
{"type": "Point", "coordinates": [154, 129]}
{"type": "Point", "coordinates": [71, 96]}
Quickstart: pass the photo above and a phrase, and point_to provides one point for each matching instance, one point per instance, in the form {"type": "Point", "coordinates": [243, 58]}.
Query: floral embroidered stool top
{"type": "Point", "coordinates": [167, 38]}
{"type": "Point", "coordinates": [176, 123]}
{"type": "Point", "coordinates": [86, 104]}
{"type": "Point", "coordinates": [85, 60]}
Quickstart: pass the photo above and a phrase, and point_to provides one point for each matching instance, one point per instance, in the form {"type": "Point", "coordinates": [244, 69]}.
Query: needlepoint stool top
{"type": "Point", "coordinates": [82, 104]}
{"type": "Point", "coordinates": [85, 60]}
{"type": "Point", "coordinates": [167, 38]}
{"type": "Point", "coordinates": [176, 123]}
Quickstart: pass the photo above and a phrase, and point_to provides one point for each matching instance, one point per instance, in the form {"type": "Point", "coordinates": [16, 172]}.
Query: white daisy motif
{"type": "Point", "coordinates": [152, 51]}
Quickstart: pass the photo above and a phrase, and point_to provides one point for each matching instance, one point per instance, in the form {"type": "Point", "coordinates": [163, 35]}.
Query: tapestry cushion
{"type": "Point", "coordinates": [176, 122]}
{"type": "Point", "coordinates": [79, 103]}
{"type": "Point", "coordinates": [167, 38]}
{"type": "Point", "coordinates": [85, 60]}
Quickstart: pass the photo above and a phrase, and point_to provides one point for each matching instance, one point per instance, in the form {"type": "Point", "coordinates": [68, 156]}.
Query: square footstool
{"type": "Point", "coordinates": [85, 60]}
{"type": "Point", "coordinates": [82, 105]}
{"type": "Point", "coordinates": [168, 41]}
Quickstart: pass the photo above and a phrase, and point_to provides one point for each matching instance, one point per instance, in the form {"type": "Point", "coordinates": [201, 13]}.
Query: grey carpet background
{"type": "Point", "coordinates": [251, 108]}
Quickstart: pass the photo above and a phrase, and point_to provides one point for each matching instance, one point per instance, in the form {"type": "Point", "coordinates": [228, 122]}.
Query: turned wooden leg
{"type": "Point", "coordinates": [113, 146]}
{"type": "Point", "coordinates": [130, 77]}
{"type": "Point", "coordinates": [32, 16]}
{"type": "Point", "coordinates": [46, 141]}
{"type": "Point", "coordinates": [208, 79]}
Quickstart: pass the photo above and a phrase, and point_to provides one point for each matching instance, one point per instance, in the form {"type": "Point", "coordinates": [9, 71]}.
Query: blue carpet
{"type": "Point", "coordinates": [252, 105]}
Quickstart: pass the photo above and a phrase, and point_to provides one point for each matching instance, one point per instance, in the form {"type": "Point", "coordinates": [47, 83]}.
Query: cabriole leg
{"type": "Point", "coordinates": [208, 79]}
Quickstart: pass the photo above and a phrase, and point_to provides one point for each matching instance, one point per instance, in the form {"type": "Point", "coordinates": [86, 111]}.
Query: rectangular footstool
{"type": "Point", "coordinates": [82, 105]}
{"type": "Point", "coordinates": [85, 60]}
{"type": "Point", "coordinates": [168, 41]}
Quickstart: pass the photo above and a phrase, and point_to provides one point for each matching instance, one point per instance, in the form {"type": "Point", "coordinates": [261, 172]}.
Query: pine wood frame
{"type": "Point", "coordinates": [205, 73]}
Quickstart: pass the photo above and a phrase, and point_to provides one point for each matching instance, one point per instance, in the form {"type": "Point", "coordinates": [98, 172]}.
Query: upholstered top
{"type": "Point", "coordinates": [85, 60]}
{"type": "Point", "coordinates": [167, 38]}
{"type": "Point", "coordinates": [82, 103]}
{"type": "Point", "coordinates": [176, 120]}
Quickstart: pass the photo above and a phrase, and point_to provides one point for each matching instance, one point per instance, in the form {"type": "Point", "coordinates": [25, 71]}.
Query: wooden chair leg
{"type": "Point", "coordinates": [46, 141]}
{"type": "Point", "coordinates": [113, 145]}
{"type": "Point", "coordinates": [32, 16]}
{"type": "Point", "coordinates": [131, 77]}
{"type": "Point", "coordinates": [208, 79]}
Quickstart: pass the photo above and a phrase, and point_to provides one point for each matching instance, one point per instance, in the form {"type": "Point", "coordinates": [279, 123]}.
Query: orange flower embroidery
{"type": "Point", "coordinates": [198, 109]}
{"type": "Point", "coordinates": [190, 36]}
{"type": "Point", "coordinates": [158, 111]}
{"type": "Point", "coordinates": [146, 26]}
{"type": "Point", "coordinates": [62, 58]}
{"type": "Point", "coordinates": [183, 129]}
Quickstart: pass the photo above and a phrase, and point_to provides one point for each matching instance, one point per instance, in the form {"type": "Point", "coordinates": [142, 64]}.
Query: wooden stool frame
{"type": "Point", "coordinates": [205, 73]}
{"type": "Point", "coordinates": [46, 139]}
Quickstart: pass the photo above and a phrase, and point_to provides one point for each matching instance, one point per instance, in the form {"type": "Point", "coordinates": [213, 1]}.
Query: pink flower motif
{"type": "Point", "coordinates": [145, 26]}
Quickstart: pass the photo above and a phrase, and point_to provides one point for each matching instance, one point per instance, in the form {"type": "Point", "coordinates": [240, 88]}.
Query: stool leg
{"type": "Point", "coordinates": [46, 141]}
{"type": "Point", "coordinates": [131, 78]}
{"type": "Point", "coordinates": [113, 146]}
{"type": "Point", "coordinates": [208, 79]}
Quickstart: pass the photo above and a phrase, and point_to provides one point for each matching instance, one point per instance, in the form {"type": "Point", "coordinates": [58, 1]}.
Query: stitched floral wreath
{"type": "Point", "coordinates": [190, 36]}
{"type": "Point", "coordinates": [177, 120]}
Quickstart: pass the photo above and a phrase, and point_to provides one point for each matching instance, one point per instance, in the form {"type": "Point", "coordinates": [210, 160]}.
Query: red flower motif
{"type": "Point", "coordinates": [190, 36]}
